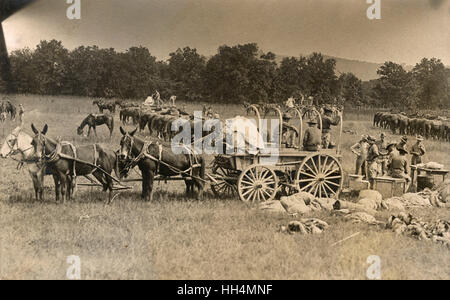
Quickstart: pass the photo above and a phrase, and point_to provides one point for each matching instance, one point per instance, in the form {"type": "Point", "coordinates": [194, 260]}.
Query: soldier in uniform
{"type": "Point", "coordinates": [382, 147]}
{"type": "Point", "coordinates": [289, 132]}
{"type": "Point", "coordinates": [373, 167]}
{"type": "Point", "coordinates": [361, 149]}
{"type": "Point", "coordinates": [21, 112]}
{"type": "Point", "coordinates": [290, 103]}
{"type": "Point", "coordinates": [399, 166]}
{"type": "Point", "coordinates": [327, 122]}
{"type": "Point", "coordinates": [313, 137]}
{"type": "Point", "coordinates": [417, 151]}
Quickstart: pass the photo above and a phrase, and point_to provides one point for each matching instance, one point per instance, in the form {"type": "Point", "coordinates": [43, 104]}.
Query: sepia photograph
{"type": "Point", "coordinates": [209, 141]}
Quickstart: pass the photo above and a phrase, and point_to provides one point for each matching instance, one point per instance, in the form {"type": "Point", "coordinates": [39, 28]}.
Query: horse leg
{"type": "Point", "coordinates": [89, 131]}
{"type": "Point", "coordinates": [106, 182]}
{"type": "Point", "coordinates": [95, 131]}
{"type": "Point", "coordinates": [35, 179]}
{"type": "Point", "coordinates": [57, 187]}
{"type": "Point", "coordinates": [63, 185]}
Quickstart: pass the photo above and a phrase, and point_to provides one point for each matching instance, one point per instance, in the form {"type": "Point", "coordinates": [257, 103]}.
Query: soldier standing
{"type": "Point", "coordinates": [417, 151]}
{"type": "Point", "coordinates": [373, 168]}
{"type": "Point", "coordinates": [361, 149]}
{"type": "Point", "coordinates": [327, 122]}
{"type": "Point", "coordinates": [21, 112]}
{"type": "Point", "coordinates": [382, 147]}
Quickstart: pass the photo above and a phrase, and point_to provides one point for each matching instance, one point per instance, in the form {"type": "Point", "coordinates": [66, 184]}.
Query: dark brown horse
{"type": "Point", "coordinates": [58, 159]}
{"type": "Point", "coordinates": [96, 120]}
{"type": "Point", "coordinates": [131, 112]}
{"type": "Point", "coordinates": [102, 105]}
{"type": "Point", "coordinates": [154, 158]}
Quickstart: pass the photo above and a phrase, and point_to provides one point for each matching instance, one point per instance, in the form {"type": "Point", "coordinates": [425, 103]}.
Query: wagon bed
{"type": "Point", "coordinates": [260, 177]}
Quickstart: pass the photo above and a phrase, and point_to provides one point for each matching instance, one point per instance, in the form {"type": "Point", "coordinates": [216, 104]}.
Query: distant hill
{"type": "Point", "coordinates": [362, 69]}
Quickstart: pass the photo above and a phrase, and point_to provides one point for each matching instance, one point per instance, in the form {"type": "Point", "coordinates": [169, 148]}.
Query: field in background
{"type": "Point", "coordinates": [178, 238]}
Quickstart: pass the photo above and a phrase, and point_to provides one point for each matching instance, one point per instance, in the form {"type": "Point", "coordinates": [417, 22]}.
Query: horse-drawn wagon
{"type": "Point", "coordinates": [260, 177]}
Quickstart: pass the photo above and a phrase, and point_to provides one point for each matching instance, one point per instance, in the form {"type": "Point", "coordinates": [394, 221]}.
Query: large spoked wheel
{"type": "Point", "coordinates": [226, 180]}
{"type": "Point", "coordinates": [257, 184]}
{"type": "Point", "coordinates": [320, 175]}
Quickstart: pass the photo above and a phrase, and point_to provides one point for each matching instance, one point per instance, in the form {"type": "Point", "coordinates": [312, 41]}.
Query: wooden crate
{"type": "Point", "coordinates": [389, 187]}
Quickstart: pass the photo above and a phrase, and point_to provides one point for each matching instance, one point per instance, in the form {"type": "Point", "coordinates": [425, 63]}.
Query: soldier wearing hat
{"type": "Point", "coordinates": [398, 167]}
{"type": "Point", "coordinates": [327, 122]}
{"type": "Point", "coordinates": [289, 132]}
{"type": "Point", "coordinates": [21, 112]}
{"type": "Point", "coordinates": [313, 137]}
{"type": "Point", "coordinates": [373, 167]}
{"type": "Point", "coordinates": [382, 147]}
{"type": "Point", "coordinates": [417, 151]}
{"type": "Point", "coordinates": [361, 149]}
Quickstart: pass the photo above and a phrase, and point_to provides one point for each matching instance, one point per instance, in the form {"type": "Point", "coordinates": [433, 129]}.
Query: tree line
{"type": "Point", "coordinates": [235, 74]}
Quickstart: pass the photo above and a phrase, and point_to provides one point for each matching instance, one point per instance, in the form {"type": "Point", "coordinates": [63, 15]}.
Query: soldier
{"type": "Point", "coordinates": [398, 167]}
{"type": "Point", "coordinates": [157, 98]}
{"type": "Point", "coordinates": [382, 147]}
{"type": "Point", "coordinates": [361, 149]}
{"type": "Point", "coordinates": [327, 122]}
{"type": "Point", "coordinates": [289, 132]}
{"type": "Point", "coordinates": [313, 137]}
{"type": "Point", "coordinates": [417, 151]}
{"type": "Point", "coordinates": [21, 112]}
{"type": "Point", "coordinates": [290, 103]}
{"type": "Point", "coordinates": [373, 168]}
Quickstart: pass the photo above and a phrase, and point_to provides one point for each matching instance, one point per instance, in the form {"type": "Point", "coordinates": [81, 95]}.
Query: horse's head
{"type": "Point", "coordinates": [39, 140]}
{"type": "Point", "coordinates": [126, 143]}
{"type": "Point", "coordinates": [16, 142]}
{"type": "Point", "coordinates": [80, 130]}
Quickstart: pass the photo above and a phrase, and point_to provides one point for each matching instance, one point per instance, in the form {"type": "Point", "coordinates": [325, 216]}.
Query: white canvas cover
{"type": "Point", "coordinates": [244, 133]}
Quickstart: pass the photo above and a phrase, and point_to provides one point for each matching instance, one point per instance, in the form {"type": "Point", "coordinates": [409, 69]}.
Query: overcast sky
{"type": "Point", "coordinates": [408, 29]}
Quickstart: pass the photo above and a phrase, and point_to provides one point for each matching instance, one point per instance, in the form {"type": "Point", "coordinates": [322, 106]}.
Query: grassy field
{"type": "Point", "coordinates": [174, 237]}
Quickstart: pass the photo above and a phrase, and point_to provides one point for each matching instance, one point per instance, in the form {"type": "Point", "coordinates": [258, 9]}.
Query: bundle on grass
{"type": "Point", "coordinates": [437, 231]}
{"type": "Point", "coordinates": [305, 226]}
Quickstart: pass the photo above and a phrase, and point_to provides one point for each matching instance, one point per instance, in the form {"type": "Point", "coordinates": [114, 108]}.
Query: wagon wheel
{"type": "Point", "coordinates": [320, 175]}
{"type": "Point", "coordinates": [257, 184]}
{"type": "Point", "coordinates": [226, 182]}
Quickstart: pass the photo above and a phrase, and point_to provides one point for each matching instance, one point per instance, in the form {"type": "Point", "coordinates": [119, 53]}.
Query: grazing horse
{"type": "Point", "coordinates": [18, 145]}
{"type": "Point", "coordinates": [65, 162]}
{"type": "Point", "coordinates": [8, 108]}
{"type": "Point", "coordinates": [96, 120]}
{"type": "Point", "coordinates": [153, 159]}
{"type": "Point", "coordinates": [102, 105]}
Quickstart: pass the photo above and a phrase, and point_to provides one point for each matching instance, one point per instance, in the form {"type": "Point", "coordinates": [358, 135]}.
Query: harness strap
{"type": "Point", "coordinates": [95, 154]}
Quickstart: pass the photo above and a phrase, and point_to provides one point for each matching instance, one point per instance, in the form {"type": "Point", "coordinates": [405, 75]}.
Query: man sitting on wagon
{"type": "Point", "coordinates": [289, 132]}
{"type": "Point", "coordinates": [313, 137]}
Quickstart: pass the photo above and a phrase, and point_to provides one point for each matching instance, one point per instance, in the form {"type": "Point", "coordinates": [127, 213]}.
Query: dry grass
{"type": "Point", "coordinates": [178, 238]}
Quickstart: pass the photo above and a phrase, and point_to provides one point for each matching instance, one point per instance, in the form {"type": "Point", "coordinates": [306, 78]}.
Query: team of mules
{"type": "Point", "coordinates": [64, 161]}
{"type": "Point", "coordinates": [428, 126]}
{"type": "Point", "coordinates": [156, 159]}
